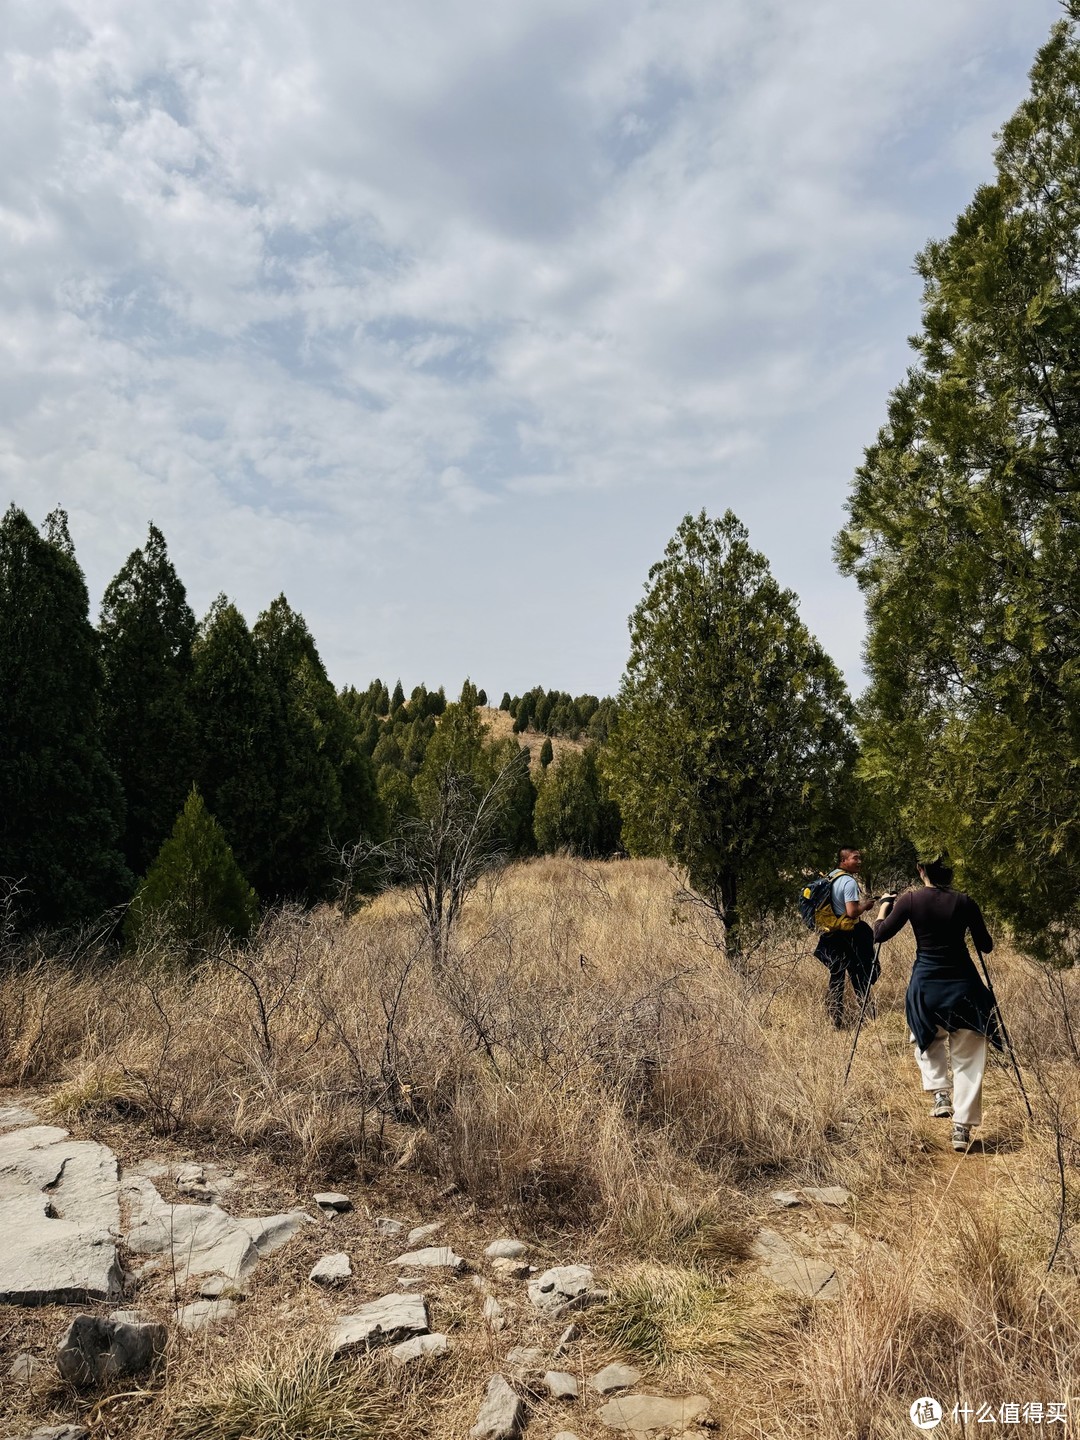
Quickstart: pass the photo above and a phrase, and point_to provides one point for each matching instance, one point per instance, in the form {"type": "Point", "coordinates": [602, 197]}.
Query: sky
{"type": "Point", "coordinates": [438, 316]}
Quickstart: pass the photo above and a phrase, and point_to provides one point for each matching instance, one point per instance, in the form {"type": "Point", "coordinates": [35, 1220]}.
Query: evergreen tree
{"type": "Point", "coordinates": [147, 630]}
{"type": "Point", "coordinates": [236, 732]}
{"type": "Point", "coordinates": [194, 893]}
{"type": "Point", "coordinates": [546, 752]}
{"type": "Point", "coordinates": [470, 696]}
{"type": "Point", "coordinates": [61, 807]}
{"type": "Point", "coordinates": [734, 745]}
{"type": "Point", "coordinates": [481, 697]}
{"type": "Point", "coordinates": [965, 533]}
{"type": "Point", "coordinates": [504, 703]}
{"type": "Point", "coordinates": [397, 700]}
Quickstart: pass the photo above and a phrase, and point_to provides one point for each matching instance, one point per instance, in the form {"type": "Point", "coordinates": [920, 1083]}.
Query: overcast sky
{"type": "Point", "coordinates": [438, 315]}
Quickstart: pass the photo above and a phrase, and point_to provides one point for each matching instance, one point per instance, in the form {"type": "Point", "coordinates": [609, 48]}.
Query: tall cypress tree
{"type": "Point", "coordinates": [147, 630]}
{"type": "Point", "coordinates": [62, 807]}
{"type": "Point", "coordinates": [235, 732]}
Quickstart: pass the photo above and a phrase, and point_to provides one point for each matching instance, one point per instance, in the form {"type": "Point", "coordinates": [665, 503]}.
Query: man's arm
{"type": "Point", "coordinates": [854, 908]}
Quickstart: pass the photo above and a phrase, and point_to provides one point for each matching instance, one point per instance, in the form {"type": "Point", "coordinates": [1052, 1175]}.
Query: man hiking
{"type": "Point", "coordinates": [847, 946]}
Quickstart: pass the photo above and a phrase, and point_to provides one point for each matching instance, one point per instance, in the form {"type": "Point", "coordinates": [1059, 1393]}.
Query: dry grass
{"type": "Point", "coordinates": [589, 1073]}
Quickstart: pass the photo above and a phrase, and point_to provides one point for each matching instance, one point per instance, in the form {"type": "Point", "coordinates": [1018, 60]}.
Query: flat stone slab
{"type": "Point", "coordinates": [502, 1413]}
{"type": "Point", "coordinates": [525, 1357]}
{"type": "Point", "coordinates": [432, 1257]}
{"type": "Point", "coordinates": [642, 1413]}
{"type": "Point", "coordinates": [785, 1199]}
{"type": "Point", "coordinates": [785, 1268]}
{"type": "Point", "coordinates": [493, 1314]}
{"type": "Point", "coordinates": [334, 1202]}
{"type": "Point", "coordinates": [561, 1385]}
{"type": "Point", "coordinates": [420, 1347]}
{"type": "Point", "coordinates": [331, 1270]}
{"type": "Point", "coordinates": [565, 1287]}
{"type": "Point", "coordinates": [506, 1250]}
{"type": "Point", "coordinates": [203, 1239]}
{"type": "Point", "coordinates": [387, 1228]}
{"type": "Point", "coordinates": [511, 1269]}
{"type": "Point", "coordinates": [390, 1318]}
{"type": "Point", "coordinates": [59, 1432]}
{"type": "Point", "coordinates": [205, 1314]}
{"type": "Point", "coordinates": [614, 1377]}
{"type": "Point", "coordinates": [59, 1216]}
{"type": "Point", "coordinates": [12, 1115]}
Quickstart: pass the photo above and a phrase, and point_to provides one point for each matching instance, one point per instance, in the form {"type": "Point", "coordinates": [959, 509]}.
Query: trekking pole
{"type": "Point", "coordinates": [1004, 1032]}
{"type": "Point", "coordinates": [862, 1014]}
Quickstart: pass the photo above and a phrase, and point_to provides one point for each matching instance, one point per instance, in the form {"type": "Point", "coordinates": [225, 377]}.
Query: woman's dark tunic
{"type": "Point", "coordinates": [945, 988]}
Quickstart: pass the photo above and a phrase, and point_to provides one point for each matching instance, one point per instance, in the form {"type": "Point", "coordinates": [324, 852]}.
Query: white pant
{"type": "Point", "coordinates": [967, 1050]}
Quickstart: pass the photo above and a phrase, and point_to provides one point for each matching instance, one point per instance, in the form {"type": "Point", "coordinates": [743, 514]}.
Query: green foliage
{"type": "Point", "coordinates": [147, 630]}
{"type": "Point", "coordinates": [194, 892]}
{"type": "Point", "coordinates": [573, 812]}
{"type": "Point", "coordinates": [61, 810]}
{"type": "Point", "coordinates": [547, 754]}
{"type": "Point", "coordinates": [504, 703]}
{"type": "Point", "coordinates": [397, 699]}
{"type": "Point", "coordinates": [733, 745]}
{"type": "Point", "coordinates": [965, 534]}
{"type": "Point", "coordinates": [470, 696]}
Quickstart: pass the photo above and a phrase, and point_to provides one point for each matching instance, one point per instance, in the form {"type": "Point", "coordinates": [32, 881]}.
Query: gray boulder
{"type": "Point", "coordinates": [95, 1350]}
{"type": "Point", "coordinates": [506, 1250]}
{"type": "Point", "coordinates": [641, 1413]}
{"type": "Point", "coordinates": [331, 1270]}
{"type": "Point", "coordinates": [387, 1228]}
{"type": "Point", "coordinates": [332, 1202]}
{"type": "Point", "coordinates": [432, 1257]}
{"type": "Point", "coordinates": [205, 1314]}
{"type": "Point", "coordinates": [382, 1321]}
{"type": "Point", "coordinates": [500, 1416]}
{"type": "Point", "coordinates": [564, 1288]}
{"type": "Point", "coordinates": [561, 1385]}
{"type": "Point", "coordinates": [614, 1377]}
{"type": "Point", "coordinates": [420, 1347]}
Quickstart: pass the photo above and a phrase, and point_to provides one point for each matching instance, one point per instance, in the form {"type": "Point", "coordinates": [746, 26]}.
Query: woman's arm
{"type": "Point", "coordinates": [977, 925]}
{"type": "Point", "coordinates": [895, 920]}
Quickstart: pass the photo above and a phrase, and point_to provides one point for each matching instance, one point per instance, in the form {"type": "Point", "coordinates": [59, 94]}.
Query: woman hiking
{"type": "Point", "coordinates": [950, 1012]}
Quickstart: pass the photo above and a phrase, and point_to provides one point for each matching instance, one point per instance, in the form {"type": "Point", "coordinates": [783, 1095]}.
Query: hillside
{"type": "Point", "coordinates": [780, 1254]}
{"type": "Point", "coordinates": [500, 724]}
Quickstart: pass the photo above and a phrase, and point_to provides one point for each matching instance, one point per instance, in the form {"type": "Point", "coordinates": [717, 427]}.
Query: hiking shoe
{"type": "Point", "coordinates": [942, 1105]}
{"type": "Point", "coordinates": [961, 1137]}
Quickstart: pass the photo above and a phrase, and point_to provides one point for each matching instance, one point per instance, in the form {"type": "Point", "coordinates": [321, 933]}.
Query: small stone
{"type": "Point", "coordinates": [614, 1377]}
{"type": "Point", "coordinates": [561, 1385]}
{"type": "Point", "coordinates": [524, 1357]}
{"type": "Point", "coordinates": [22, 1368]}
{"type": "Point", "coordinates": [418, 1348]}
{"type": "Point", "coordinates": [333, 1202]}
{"type": "Point", "coordinates": [493, 1314]}
{"type": "Point", "coordinates": [191, 1182]}
{"type": "Point", "coordinates": [828, 1194]}
{"type": "Point", "coordinates": [409, 1282]}
{"type": "Point", "coordinates": [425, 1232]}
{"type": "Point", "coordinates": [501, 1414]}
{"type": "Point", "coordinates": [563, 1288]}
{"type": "Point", "coordinates": [638, 1413]}
{"type": "Point", "coordinates": [512, 1269]}
{"type": "Point", "coordinates": [785, 1199]}
{"type": "Point", "coordinates": [390, 1318]}
{"type": "Point", "coordinates": [60, 1432]}
{"type": "Point", "coordinates": [566, 1339]}
{"type": "Point", "coordinates": [387, 1228]}
{"type": "Point", "coordinates": [506, 1250]}
{"type": "Point", "coordinates": [331, 1270]}
{"type": "Point", "coordinates": [433, 1257]}
{"type": "Point", "coordinates": [219, 1286]}
{"type": "Point", "coordinates": [205, 1314]}
{"type": "Point", "coordinates": [97, 1349]}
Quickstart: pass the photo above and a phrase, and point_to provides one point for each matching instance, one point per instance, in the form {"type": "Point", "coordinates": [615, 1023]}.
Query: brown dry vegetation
{"type": "Point", "coordinates": [587, 1073]}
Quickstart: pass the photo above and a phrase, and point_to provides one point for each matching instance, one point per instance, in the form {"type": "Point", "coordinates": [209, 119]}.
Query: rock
{"type": "Point", "coordinates": [501, 1414]}
{"type": "Point", "coordinates": [205, 1314]}
{"type": "Point", "coordinates": [410, 1282]}
{"type": "Point", "coordinates": [425, 1232]}
{"type": "Point", "coordinates": [506, 1250]}
{"type": "Point", "coordinates": [331, 1270]}
{"type": "Point", "coordinates": [786, 1199]}
{"type": "Point", "coordinates": [60, 1432]}
{"type": "Point", "coordinates": [524, 1357]}
{"type": "Point", "coordinates": [641, 1413]}
{"type": "Point", "coordinates": [333, 1202]}
{"type": "Point", "coordinates": [202, 1239]}
{"type": "Point", "coordinates": [511, 1269]}
{"type": "Point", "coordinates": [561, 1385]}
{"type": "Point", "coordinates": [566, 1339]}
{"type": "Point", "coordinates": [12, 1115]}
{"type": "Point", "coordinates": [828, 1194]}
{"type": "Point", "coordinates": [614, 1377]}
{"type": "Point", "coordinates": [391, 1318]}
{"type": "Point", "coordinates": [191, 1181]}
{"type": "Point", "coordinates": [420, 1347]}
{"type": "Point", "coordinates": [387, 1228]}
{"type": "Point", "coordinates": [22, 1368]}
{"type": "Point", "coordinates": [59, 1216]}
{"type": "Point", "coordinates": [785, 1268]}
{"type": "Point", "coordinates": [97, 1349]}
{"type": "Point", "coordinates": [493, 1314]}
{"type": "Point", "coordinates": [218, 1287]}
{"type": "Point", "coordinates": [566, 1287]}
{"type": "Point", "coordinates": [433, 1257]}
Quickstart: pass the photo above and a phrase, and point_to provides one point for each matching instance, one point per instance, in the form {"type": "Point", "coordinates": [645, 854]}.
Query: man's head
{"type": "Point", "coordinates": [849, 858]}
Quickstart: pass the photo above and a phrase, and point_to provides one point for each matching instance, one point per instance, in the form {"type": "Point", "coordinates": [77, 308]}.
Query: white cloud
{"type": "Point", "coordinates": [339, 296]}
